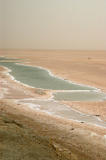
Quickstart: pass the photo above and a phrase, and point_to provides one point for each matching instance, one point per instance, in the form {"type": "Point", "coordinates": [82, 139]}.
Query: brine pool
{"type": "Point", "coordinates": [41, 78]}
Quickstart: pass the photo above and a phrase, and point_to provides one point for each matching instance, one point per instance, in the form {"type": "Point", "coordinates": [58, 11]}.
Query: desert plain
{"type": "Point", "coordinates": [40, 136]}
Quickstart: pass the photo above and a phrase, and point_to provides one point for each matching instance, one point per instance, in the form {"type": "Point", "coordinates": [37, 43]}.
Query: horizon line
{"type": "Point", "coordinates": [24, 49]}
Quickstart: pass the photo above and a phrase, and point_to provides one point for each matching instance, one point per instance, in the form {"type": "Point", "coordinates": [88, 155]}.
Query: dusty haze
{"type": "Point", "coordinates": [53, 24]}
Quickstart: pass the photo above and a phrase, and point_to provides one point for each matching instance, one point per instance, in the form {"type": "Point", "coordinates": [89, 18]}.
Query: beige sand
{"type": "Point", "coordinates": [82, 67]}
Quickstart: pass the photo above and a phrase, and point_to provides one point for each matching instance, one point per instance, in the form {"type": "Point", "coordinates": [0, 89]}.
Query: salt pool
{"type": "Point", "coordinates": [80, 96]}
{"type": "Point", "coordinates": [40, 78]}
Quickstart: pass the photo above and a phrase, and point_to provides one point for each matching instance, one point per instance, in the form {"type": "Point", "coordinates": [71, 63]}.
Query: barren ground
{"type": "Point", "coordinates": [68, 141]}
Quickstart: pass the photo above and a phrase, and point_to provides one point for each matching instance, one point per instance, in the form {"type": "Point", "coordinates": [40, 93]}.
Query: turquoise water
{"type": "Point", "coordinates": [40, 78]}
{"type": "Point", "coordinates": [80, 96]}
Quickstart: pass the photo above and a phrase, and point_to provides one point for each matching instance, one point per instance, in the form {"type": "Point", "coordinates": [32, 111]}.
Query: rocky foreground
{"type": "Point", "coordinates": [45, 138]}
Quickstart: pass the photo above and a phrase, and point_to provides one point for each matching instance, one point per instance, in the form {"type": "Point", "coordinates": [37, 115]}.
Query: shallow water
{"type": "Point", "coordinates": [80, 96]}
{"type": "Point", "coordinates": [40, 78]}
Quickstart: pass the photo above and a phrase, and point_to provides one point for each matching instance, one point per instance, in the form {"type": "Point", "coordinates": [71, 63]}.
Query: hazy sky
{"type": "Point", "coordinates": [53, 24]}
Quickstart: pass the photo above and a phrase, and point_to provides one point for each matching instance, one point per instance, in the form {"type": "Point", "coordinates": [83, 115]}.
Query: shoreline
{"type": "Point", "coordinates": [47, 112]}
{"type": "Point", "coordinates": [8, 72]}
{"type": "Point", "coordinates": [51, 96]}
{"type": "Point", "coordinates": [51, 92]}
{"type": "Point", "coordinates": [53, 75]}
{"type": "Point", "coordinates": [58, 75]}
{"type": "Point", "coordinates": [24, 55]}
